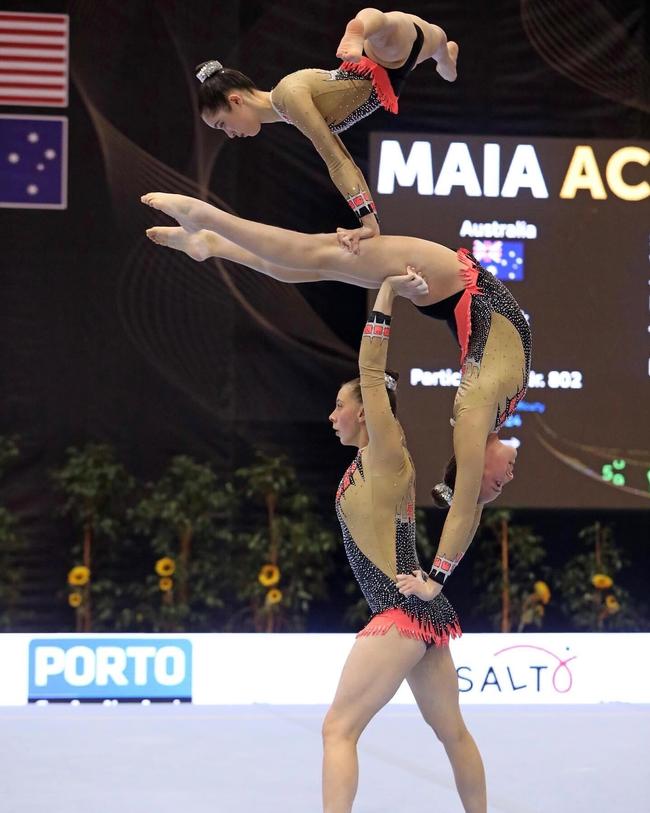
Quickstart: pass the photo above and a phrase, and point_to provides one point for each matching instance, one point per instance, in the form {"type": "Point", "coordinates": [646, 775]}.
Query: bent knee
{"type": "Point", "coordinates": [449, 733]}
{"type": "Point", "coordinates": [337, 727]}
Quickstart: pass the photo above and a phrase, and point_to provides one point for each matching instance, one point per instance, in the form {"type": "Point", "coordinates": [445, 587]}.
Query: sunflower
{"type": "Point", "coordinates": [269, 575]}
{"type": "Point", "coordinates": [78, 576]}
{"type": "Point", "coordinates": [165, 584]}
{"type": "Point", "coordinates": [165, 566]}
{"type": "Point", "coordinates": [74, 599]}
{"type": "Point", "coordinates": [274, 596]}
{"type": "Point", "coordinates": [612, 604]}
{"type": "Point", "coordinates": [542, 592]}
{"type": "Point", "coordinates": [601, 582]}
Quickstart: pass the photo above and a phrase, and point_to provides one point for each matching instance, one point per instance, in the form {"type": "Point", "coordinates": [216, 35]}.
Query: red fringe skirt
{"type": "Point", "coordinates": [411, 628]}
{"type": "Point", "coordinates": [367, 69]}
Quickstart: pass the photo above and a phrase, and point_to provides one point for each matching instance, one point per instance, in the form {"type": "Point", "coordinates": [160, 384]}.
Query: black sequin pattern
{"type": "Point", "coordinates": [380, 591]}
{"type": "Point", "coordinates": [497, 298]}
{"type": "Point", "coordinates": [371, 104]}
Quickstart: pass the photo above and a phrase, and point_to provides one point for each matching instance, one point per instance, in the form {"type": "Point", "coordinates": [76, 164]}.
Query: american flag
{"type": "Point", "coordinates": [34, 59]}
{"type": "Point", "coordinates": [33, 162]}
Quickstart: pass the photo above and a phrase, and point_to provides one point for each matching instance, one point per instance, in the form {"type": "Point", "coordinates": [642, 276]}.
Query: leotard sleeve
{"type": "Point", "coordinates": [294, 101]}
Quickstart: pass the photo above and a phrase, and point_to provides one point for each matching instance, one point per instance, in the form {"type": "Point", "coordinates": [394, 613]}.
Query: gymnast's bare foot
{"type": "Point", "coordinates": [180, 207]}
{"type": "Point", "coordinates": [446, 66]}
{"type": "Point", "coordinates": [194, 244]}
{"type": "Point", "coordinates": [351, 46]}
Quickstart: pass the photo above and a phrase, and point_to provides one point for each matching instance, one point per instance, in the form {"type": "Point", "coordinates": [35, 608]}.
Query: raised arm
{"type": "Point", "coordinates": [384, 432]}
{"type": "Point", "coordinates": [299, 107]}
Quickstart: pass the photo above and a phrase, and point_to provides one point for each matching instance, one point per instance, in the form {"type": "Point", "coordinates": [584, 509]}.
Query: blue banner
{"type": "Point", "coordinates": [95, 669]}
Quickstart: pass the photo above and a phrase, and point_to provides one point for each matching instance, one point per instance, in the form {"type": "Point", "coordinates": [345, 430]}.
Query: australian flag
{"type": "Point", "coordinates": [33, 162]}
{"type": "Point", "coordinates": [503, 258]}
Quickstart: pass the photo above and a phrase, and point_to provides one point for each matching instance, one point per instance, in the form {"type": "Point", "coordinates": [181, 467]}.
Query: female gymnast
{"type": "Point", "coordinates": [379, 51]}
{"type": "Point", "coordinates": [490, 327]}
{"type": "Point", "coordinates": [407, 636]}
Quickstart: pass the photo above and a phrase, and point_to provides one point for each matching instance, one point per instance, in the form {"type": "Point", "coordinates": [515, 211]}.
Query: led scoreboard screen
{"type": "Point", "coordinates": [566, 225]}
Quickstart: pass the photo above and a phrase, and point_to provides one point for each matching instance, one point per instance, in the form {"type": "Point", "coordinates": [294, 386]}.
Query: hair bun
{"type": "Point", "coordinates": [207, 69]}
{"type": "Point", "coordinates": [442, 495]}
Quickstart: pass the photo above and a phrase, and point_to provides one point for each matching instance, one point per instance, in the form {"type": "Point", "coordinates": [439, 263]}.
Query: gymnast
{"type": "Point", "coordinates": [491, 330]}
{"type": "Point", "coordinates": [379, 50]}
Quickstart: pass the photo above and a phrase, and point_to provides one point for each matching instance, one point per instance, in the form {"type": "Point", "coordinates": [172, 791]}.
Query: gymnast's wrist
{"type": "Point", "coordinates": [370, 221]}
{"type": "Point", "coordinates": [363, 206]}
{"type": "Point", "coordinates": [443, 566]}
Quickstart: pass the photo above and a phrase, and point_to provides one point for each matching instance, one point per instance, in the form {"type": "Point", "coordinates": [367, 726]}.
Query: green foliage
{"type": "Point", "coordinates": [12, 545]}
{"type": "Point", "coordinates": [583, 604]}
{"type": "Point", "coordinates": [8, 452]}
{"type": "Point", "coordinates": [186, 516]}
{"type": "Point", "coordinates": [525, 557]}
{"type": "Point", "coordinates": [95, 488]}
{"type": "Point", "coordinates": [278, 525]}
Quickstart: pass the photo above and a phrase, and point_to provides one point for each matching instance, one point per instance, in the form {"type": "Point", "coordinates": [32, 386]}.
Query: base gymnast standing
{"type": "Point", "coordinates": [492, 333]}
{"type": "Point", "coordinates": [407, 636]}
{"type": "Point", "coordinates": [379, 51]}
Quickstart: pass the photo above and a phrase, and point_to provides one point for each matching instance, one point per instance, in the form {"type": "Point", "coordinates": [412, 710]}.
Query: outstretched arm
{"type": "Point", "coordinates": [297, 104]}
{"type": "Point", "coordinates": [470, 436]}
{"type": "Point", "coordinates": [385, 447]}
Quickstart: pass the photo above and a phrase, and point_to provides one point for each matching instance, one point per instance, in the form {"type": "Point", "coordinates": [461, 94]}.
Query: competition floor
{"type": "Point", "coordinates": [266, 759]}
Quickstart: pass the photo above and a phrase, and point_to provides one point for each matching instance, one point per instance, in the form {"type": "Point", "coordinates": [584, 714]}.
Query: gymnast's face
{"type": "Point", "coordinates": [498, 469]}
{"type": "Point", "coordinates": [347, 417]}
{"type": "Point", "coordinates": [240, 121]}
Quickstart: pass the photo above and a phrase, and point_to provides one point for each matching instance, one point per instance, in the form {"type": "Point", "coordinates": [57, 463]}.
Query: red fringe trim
{"type": "Point", "coordinates": [367, 69]}
{"type": "Point", "coordinates": [463, 310]}
{"type": "Point", "coordinates": [410, 628]}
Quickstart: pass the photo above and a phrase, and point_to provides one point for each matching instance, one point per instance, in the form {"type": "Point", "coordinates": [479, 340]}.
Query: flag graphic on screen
{"type": "Point", "coordinates": [33, 59]}
{"type": "Point", "coordinates": [33, 162]}
{"type": "Point", "coordinates": [503, 258]}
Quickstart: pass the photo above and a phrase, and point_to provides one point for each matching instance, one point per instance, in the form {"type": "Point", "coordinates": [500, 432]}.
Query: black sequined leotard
{"type": "Point", "coordinates": [322, 104]}
{"type": "Point", "coordinates": [375, 504]}
{"type": "Point", "coordinates": [494, 338]}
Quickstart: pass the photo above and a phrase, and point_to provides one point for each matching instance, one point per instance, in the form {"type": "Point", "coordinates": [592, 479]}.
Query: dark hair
{"type": "Point", "coordinates": [355, 383]}
{"type": "Point", "coordinates": [449, 479]}
{"type": "Point", "coordinates": [213, 93]}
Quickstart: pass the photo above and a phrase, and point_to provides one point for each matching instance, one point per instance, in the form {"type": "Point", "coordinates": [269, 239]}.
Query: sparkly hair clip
{"type": "Point", "coordinates": [208, 69]}
{"type": "Point", "coordinates": [391, 383]}
{"type": "Point", "coordinates": [444, 491]}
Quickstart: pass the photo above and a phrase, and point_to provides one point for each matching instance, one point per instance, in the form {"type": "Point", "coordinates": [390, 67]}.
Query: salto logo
{"type": "Point", "coordinates": [110, 668]}
{"type": "Point", "coordinates": [479, 172]}
{"type": "Point", "coordinates": [517, 668]}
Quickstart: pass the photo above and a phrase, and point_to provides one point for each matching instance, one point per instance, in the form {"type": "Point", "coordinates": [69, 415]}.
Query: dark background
{"type": "Point", "coordinates": [584, 290]}
{"type": "Point", "coordinates": [107, 337]}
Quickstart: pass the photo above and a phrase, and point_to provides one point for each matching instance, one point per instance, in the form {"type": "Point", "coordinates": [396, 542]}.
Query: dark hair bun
{"type": "Point", "coordinates": [440, 494]}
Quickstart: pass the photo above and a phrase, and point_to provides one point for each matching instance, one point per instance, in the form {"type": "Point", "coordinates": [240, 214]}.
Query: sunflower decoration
{"type": "Point", "coordinates": [274, 596]}
{"type": "Point", "coordinates": [601, 581]}
{"type": "Point", "coordinates": [542, 592]}
{"type": "Point", "coordinates": [74, 599]}
{"type": "Point", "coordinates": [165, 584]}
{"type": "Point", "coordinates": [79, 576]}
{"type": "Point", "coordinates": [612, 605]}
{"type": "Point", "coordinates": [165, 567]}
{"type": "Point", "coordinates": [269, 576]}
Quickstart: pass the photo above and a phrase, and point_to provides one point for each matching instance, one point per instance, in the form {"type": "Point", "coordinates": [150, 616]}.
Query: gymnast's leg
{"type": "Point", "coordinates": [387, 38]}
{"type": "Point", "coordinates": [382, 257]}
